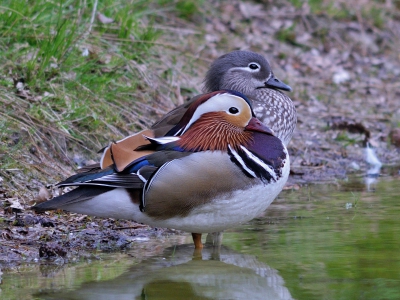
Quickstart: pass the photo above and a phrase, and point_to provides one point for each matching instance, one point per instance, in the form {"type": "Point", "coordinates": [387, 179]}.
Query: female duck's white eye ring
{"type": "Point", "coordinates": [254, 66]}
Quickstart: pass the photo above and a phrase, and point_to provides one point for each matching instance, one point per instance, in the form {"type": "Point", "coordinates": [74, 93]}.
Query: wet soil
{"type": "Point", "coordinates": [59, 238]}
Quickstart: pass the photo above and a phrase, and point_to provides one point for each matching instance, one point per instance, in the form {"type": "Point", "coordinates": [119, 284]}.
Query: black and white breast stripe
{"type": "Point", "coordinates": [253, 166]}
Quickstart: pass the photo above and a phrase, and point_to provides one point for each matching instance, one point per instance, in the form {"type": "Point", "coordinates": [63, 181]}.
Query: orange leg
{"type": "Point", "coordinates": [197, 240]}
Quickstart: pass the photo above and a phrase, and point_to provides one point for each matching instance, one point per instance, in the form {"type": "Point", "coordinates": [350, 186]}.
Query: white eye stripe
{"type": "Point", "coordinates": [219, 102]}
{"type": "Point", "coordinates": [248, 69]}
{"type": "Point", "coordinates": [254, 66]}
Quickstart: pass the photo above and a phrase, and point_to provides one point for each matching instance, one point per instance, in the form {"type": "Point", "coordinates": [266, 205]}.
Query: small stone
{"type": "Point", "coordinates": [341, 76]}
{"type": "Point", "coordinates": [46, 223]}
{"type": "Point", "coordinates": [85, 52]}
{"type": "Point", "coordinates": [20, 86]}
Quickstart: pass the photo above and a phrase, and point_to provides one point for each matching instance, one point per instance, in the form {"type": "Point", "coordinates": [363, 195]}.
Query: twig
{"type": "Point", "coordinates": [131, 227]}
{"type": "Point", "coordinates": [86, 34]}
{"type": "Point", "coordinates": [362, 29]}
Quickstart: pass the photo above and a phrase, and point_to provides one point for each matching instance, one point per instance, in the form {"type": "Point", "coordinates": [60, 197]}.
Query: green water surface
{"type": "Point", "coordinates": [318, 242]}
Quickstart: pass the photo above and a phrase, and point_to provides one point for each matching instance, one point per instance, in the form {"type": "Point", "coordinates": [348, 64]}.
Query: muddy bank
{"type": "Point", "coordinates": [60, 238]}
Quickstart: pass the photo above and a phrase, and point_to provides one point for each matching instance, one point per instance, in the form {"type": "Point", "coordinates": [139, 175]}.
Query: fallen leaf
{"type": "Point", "coordinates": [13, 205]}
{"type": "Point", "coordinates": [103, 19]}
{"type": "Point", "coordinates": [250, 10]}
{"type": "Point", "coordinates": [395, 137]}
{"type": "Point", "coordinates": [43, 195]}
{"type": "Point", "coordinates": [340, 123]}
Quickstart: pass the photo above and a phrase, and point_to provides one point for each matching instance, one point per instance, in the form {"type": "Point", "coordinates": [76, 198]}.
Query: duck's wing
{"type": "Point", "coordinates": [79, 194]}
{"type": "Point", "coordinates": [98, 181]}
{"type": "Point", "coordinates": [170, 119]}
{"type": "Point", "coordinates": [135, 141]}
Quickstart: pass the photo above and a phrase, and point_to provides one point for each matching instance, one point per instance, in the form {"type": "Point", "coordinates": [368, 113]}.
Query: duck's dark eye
{"type": "Point", "coordinates": [254, 66]}
{"type": "Point", "coordinates": [233, 110]}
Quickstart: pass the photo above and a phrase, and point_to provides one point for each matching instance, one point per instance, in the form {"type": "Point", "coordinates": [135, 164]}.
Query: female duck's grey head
{"type": "Point", "coordinates": [243, 71]}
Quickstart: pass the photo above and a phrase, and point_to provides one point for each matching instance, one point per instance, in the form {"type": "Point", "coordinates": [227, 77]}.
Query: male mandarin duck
{"type": "Point", "coordinates": [244, 71]}
{"type": "Point", "coordinates": [218, 167]}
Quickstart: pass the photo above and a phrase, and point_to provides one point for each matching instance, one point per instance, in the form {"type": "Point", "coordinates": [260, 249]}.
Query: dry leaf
{"type": "Point", "coordinates": [103, 19]}
{"type": "Point", "coordinates": [43, 195]}
{"type": "Point", "coordinates": [249, 10]}
{"type": "Point", "coordinates": [13, 205]}
{"type": "Point", "coordinates": [47, 94]}
{"type": "Point", "coordinates": [395, 137]}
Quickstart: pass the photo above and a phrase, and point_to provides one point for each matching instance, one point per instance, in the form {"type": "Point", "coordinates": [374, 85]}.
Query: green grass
{"type": "Point", "coordinates": [188, 8]}
{"type": "Point", "coordinates": [69, 83]}
{"type": "Point", "coordinates": [348, 139]}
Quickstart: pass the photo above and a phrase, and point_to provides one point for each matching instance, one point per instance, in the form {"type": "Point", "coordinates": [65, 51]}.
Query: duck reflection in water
{"type": "Point", "coordinates": [213, 273]}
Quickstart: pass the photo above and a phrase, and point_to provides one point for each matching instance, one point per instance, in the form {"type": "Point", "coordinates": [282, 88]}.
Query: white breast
{"type": "Point", "coordinates": [228, 210]}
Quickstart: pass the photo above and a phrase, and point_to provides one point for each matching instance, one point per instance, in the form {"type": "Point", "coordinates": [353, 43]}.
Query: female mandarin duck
{"type": "Point", "coordinates": [246, 72]}
{"type": "Point", "coordinates": [217, 167]}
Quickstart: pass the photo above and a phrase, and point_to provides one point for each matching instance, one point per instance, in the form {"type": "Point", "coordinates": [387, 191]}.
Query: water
{"type": "Point", "coordinates": [319, 242]}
